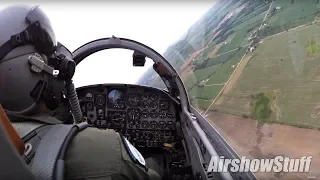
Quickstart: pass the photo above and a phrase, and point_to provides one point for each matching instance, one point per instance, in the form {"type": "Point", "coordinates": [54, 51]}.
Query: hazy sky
{"type": "Point", "coordinates": [156, 25]}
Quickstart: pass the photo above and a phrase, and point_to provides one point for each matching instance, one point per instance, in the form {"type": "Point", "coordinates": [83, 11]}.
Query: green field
{"type": "Point", "coordinates": [293, 12]}
{"type": "Point", "coordinates": [312, 48]}
{"type": "Point", "coordinates": [290, 15]}
{"type": "Point", "coordinates": [284, 69]}
{"type": "Point", "coordinates": [261, 105]}
{"type": "Point", "coordinates": [242, 32]}
{"type": "Point", "coordinates": [218, 69]}
{"type": "Point", "coordinates": [282, 66]}
{"type": "Point", "coordinates": [200, 75]}
{"type": "Point", "coordinates": [218, 74]}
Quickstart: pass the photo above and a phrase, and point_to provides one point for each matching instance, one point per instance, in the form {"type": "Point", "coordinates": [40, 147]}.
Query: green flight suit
{"type": "Point", "coordinates": [94, 153]}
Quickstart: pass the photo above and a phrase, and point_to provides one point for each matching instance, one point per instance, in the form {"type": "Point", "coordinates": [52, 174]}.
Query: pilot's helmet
{"type": "Point", "coordinates": [27, 48]}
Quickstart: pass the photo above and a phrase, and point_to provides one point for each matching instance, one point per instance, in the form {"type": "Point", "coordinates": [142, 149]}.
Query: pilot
{"type": "Point", "coordinates": [93, 153]}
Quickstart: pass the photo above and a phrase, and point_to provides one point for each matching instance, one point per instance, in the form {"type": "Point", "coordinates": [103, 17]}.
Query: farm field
{"type": "Point", "coordinates": [214, 62]}
{"type": "Point", "coordinates": [289, 77]}
{"type": "Point", "coordinates": [216, 80]}
{"type": "Point", "coordinates": [273, 81]}
{"type": "Point", "coordinates": [255, 76]}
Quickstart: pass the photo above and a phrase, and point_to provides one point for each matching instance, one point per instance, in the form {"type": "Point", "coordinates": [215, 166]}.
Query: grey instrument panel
{"type": "Point", "coordinates": [127, 107]}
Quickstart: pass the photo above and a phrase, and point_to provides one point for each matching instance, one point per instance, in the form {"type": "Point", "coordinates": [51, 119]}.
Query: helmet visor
{"type": "Point", "coordinates": [43, 35]}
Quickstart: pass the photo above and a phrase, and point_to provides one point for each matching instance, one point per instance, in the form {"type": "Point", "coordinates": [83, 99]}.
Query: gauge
{"type": "Point", "coordinates": [153, 114]}
{"type": "Point", "coordinates": [153, 124]}
{"type": "Point", "coordinates": [150, 136]}
{"type": "Point", "coordinates": [138, 123]}
{"type": "Point", "coordinates": [100, 114]}
{"type": "Point", "coordinates": [100, 100]}
{"type": "Point", "coordinates": [89, 96]}
{"type": "Point", "coordinates": [170, 125]}
{"type": "Point", "coordinates": [164, 104]}
{"type": "Point", "coordinates": [116, 99]}
{"type": "Point", "coordinates": [171, 114]}
{"type": "Point", "coordinates": [134, 114]}
{"type": "Point", "coordinates": [145, 124]}
{"type": "Point", "coordinates": [145, 105]}
{"type": "Point", "coordinates": [162, 114]}
{"type": "Point", "coordinates": [153, 105]}
{"type": "Point", "coordinates": [145, 96]}
{"type": "Point", "coordinates": [162, 124]}
{"type": "Point", "coordinates": [130, 124]}
{"type": "Point", "coordinates": [89, 106]}
{"type": "Point", "coordinates": [134, 99]}
{"type": "Point", "coordinates": [117, 118]}
{"type": "Point", "coordinates": [154, 97]}
{"type": "Point", "coordinates": [145, 114]}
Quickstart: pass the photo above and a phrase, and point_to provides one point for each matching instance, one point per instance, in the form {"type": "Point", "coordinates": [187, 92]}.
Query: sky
{"type": "Point", "coordinates": [157, 25]}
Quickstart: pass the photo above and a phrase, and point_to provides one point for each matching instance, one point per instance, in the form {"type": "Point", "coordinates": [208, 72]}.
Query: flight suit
{"type": "Point", "coordinates": [93, 153]}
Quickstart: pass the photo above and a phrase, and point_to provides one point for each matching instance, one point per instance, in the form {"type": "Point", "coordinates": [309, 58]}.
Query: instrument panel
{"type": "Point", "coordinates": [146, 116]}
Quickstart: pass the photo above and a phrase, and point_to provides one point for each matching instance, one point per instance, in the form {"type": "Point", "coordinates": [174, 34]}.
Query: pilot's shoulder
{"type": "Point", "coordinates": [97, 137]}
{"type": "Point", "coordinates": [93, 130]}
{"type": "Point", "coordinates": [94, 153]}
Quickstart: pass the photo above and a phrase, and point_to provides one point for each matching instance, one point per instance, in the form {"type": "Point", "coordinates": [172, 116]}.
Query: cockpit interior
{"type": "Point", "coordinates": [159, 122]}
{"type": "Point", "coordinates": [149, 118]}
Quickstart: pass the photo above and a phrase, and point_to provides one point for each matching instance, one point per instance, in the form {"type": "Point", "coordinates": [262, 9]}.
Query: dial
{"type": "Point", "coordinates": [162, 114]}
{"type": "Point", "coordinates": [153, 114]}
{"type": "Point", "coordinates": [162, 124]}
{"type": "Point", "coordinates": [171, 114]}
{"type": "Point", "coordinates": [130, 124]}
{"type": "Point", "coordinates": [145, 114]}
{"type": "Point", "coordinates": [170, 125]}
{"type": "Point", "coordinates": [100, 114]}
{"type": "Point", "coordinates": [153, 124]}
{"type": "Point", "coordinates": [138, 123]}
{"type": "Point", "coordinates": [116, 99]}
{"type": "Point", "coordinates": [89, 96]}
{"type": "Point", "coordinates": [117, 118]}
{"type": "Point", "coordinates": [145, 105]}
{"type": "Point", "coordinates": [145, 124]}
{"type": "Point", "coordinates": [134, 100]}
{"type": "Point", "coordinates": [100, 100]}
{"type": "Point", "coordinates": [145, 96]}
{"type": "Point", "coordinates": [154, 97]}
{"type": "Point", "coordinates": [164, 104]}
{"type": "Point", "coordinates": [134, 114]}
{"type": "Point", "coordinates": [89, 106]}
{"type": "Point", "coordinates": [153, 105]}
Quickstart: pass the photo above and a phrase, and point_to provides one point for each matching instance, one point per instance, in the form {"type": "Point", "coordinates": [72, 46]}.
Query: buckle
{"type": "Point", "coordinates": [20, 39]}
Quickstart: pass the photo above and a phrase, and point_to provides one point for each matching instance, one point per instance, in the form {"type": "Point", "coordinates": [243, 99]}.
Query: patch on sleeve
{"type": "Point", "coordinates": [134, 153]}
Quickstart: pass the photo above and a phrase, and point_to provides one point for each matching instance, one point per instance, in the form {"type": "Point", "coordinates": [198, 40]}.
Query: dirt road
{"type": "Point", "coordinates": [234, 78]}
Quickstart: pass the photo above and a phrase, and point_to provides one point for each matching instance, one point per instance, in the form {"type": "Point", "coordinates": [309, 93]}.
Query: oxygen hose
{"type": "Point", "coordinates": [74, 102]}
